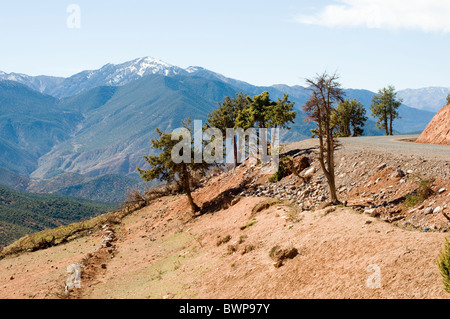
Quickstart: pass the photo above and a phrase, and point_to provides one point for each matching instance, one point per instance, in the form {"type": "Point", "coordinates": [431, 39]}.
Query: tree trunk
{"type": "Point", "coordinates": [330, 164]}
{"type": "Point", "coordinates": [235, 151]}
{"type": "Point", "coordinates": [328, 170]}
{"type": "Point", "coordinates": [187, 190]}
{"type": "Point", "coordinates": [386, 127]}
{"type": "Point", "coordinates": [390, 124]}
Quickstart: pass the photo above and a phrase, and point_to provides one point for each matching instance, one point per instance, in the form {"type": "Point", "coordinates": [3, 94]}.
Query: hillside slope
{"type": "Point", "coordinates": [235, 248]}
{"type": "Point", "coordinates": [24, 213]}
{"type": "Point", "coordinates": [438, 130]}
{"type": "Point", "coordinates": [31, 123]}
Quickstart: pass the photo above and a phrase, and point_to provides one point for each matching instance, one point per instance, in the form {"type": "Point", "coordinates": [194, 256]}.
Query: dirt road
{"type": "Point", "coordinates": [398, 144]}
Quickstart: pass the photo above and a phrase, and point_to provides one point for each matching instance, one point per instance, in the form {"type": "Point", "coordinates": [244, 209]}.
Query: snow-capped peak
{"type": "Point", "coordinates": [193, 69]}
{"type": "Point", "coordinates": [119, 74]}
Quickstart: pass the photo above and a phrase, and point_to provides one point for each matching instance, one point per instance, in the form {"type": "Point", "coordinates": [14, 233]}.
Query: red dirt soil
{"type": "Point", "coordinates": [438, 130]}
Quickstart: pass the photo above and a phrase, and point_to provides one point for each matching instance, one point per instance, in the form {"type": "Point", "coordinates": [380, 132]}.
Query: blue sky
{"type": "Point", "coordinates": [369, 43]}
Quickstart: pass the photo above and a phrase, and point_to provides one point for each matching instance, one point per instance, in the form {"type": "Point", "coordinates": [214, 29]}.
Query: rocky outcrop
{"type": "Point", "coordinates": [438, 130]}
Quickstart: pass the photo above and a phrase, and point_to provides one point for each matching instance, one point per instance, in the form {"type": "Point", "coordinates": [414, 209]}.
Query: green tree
{"type": "Point", "coordinates": [281, 113]}
{"type": "Point", "coordinates": [256, 113]}
{"type": "Point", "coordinates": [348, 118]}
{"type": "Point", "coordinates": [448, 99]}
{"type": "Point", "coordinates": [225, 116]}
{"type": "Point", "coordinates": [262, 112]}
{"type": "Point", "coordinates": [385, 108]}
{"type": "Point", "coordinates": [175, 162]}
{"type": "Point", "coordinates": [326, 91]}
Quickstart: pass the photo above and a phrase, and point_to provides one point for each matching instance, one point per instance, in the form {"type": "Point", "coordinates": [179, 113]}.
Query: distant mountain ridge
{"type": "Point", "coordinates": [429, 99]}
{"type": "Point", "coordinates": [106, 128]}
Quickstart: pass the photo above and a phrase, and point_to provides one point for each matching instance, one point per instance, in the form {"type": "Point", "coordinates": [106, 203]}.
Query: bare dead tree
{"type": "Point", "coordinates": [326, 92]}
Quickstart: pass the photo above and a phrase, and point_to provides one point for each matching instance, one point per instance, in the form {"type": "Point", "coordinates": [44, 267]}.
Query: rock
{"type": "Point", "coordinates": [360, 202]}
{"type": "Point", "coordinates": [235, 201]}
{"type": "Point", "coordinates": [278, 264]}
{"type": "Point", "coordinates": [441, 190]}
{"type": "Point", "coordinates": [428, 210]}
{"type": "Point", "coordinates": [300, 164]}
{"type": "Point", "coordinates": [382, 166]}
{"type": "Point", "coordinates": [437, 210]}
{"type": "Point", "coordinates": [398, 174]}
{"type": "Point", "coordinates": [309, 172]}
{"type": "Point", "coordinates": [278, 255]}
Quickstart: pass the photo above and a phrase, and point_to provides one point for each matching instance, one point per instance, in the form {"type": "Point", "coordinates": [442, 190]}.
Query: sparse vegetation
{"type": "Point", "coordinates": [232, 249]}
{"type": "Point", "coordinates": [422, 192]}
{"type": "Point", "coordinates": [248, 248]}
{"type": "Point", "coordinates": [279, 255]}
{"type": "Point", "coordinates": [444, 265]}
{"type": "Point", "coordinates": [282, 170]}
{"type": "Point", "coordinates": [249, 224]}
{"type": "Point", "coordinates": [242, 239]}
{"type": "Point", "coordinates": [265, 204]}
{"type": "Point", "coordinates": [63, 234]}
{"type": "Point", "coordinates": [223, 240]}
{"type": "Point", "coordinates": [273, 250]}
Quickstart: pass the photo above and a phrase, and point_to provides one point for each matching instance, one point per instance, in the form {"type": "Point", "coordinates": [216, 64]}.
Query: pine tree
{"type": "Point", "coordinates": [225, 117]}
{"type": "Point", "coordinates": [385, 108]}
{"type": "Point", "coordinates": [174, 163]}
{"type": "Point", "coordinates": [262, 112]}
{"type": "Point", "coordinates": [348, 118]}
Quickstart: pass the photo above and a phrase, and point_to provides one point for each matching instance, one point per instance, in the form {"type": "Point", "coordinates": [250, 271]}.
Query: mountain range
{"type": "Point", "coordinates": [100, 122]}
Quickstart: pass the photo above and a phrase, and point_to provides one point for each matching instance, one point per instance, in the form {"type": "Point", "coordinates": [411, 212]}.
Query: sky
{"type": "Point", "coordinates": [370, 44]}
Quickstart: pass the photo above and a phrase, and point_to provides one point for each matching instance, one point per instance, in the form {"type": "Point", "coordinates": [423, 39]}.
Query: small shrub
{"type": "Point", "coordinates": [248, 249]}
{"type": "Point", "coordinates": [265, 204]}
{"type": "Point", "coordinates": [422, 192]}
{"type": "Point", "coordinates": [444, 265]}
{"type": "Point", "coordinates": [412, 200]}
{"type": "Point", "coordinates": [232, 249]}
{"type": "Point", "coordinates": [249, 224]}
{"type": "Point", "coordinates": [282, 170]}
{"type": "Point", "coordinates": [242, 239]}
{"type": "Point", "coordinates": [223, 240]}
{"type": "Point", "coordinates": [273, 250]}
{"type": "Point", "coordinates": [278, 255]}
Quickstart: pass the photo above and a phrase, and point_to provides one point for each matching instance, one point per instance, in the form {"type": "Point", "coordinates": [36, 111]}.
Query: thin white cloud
{"type": "Point", "coordinates": [425, 15]}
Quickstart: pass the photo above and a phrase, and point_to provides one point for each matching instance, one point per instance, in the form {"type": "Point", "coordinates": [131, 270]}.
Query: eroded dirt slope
{"type": "Point", "coordinates": [438, 130]}
{"type": "Point", "coordinates": [162, 251]}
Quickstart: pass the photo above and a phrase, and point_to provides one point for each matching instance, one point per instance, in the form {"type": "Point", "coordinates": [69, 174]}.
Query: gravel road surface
{"type": "Point", "coordinates": [398, 144]}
